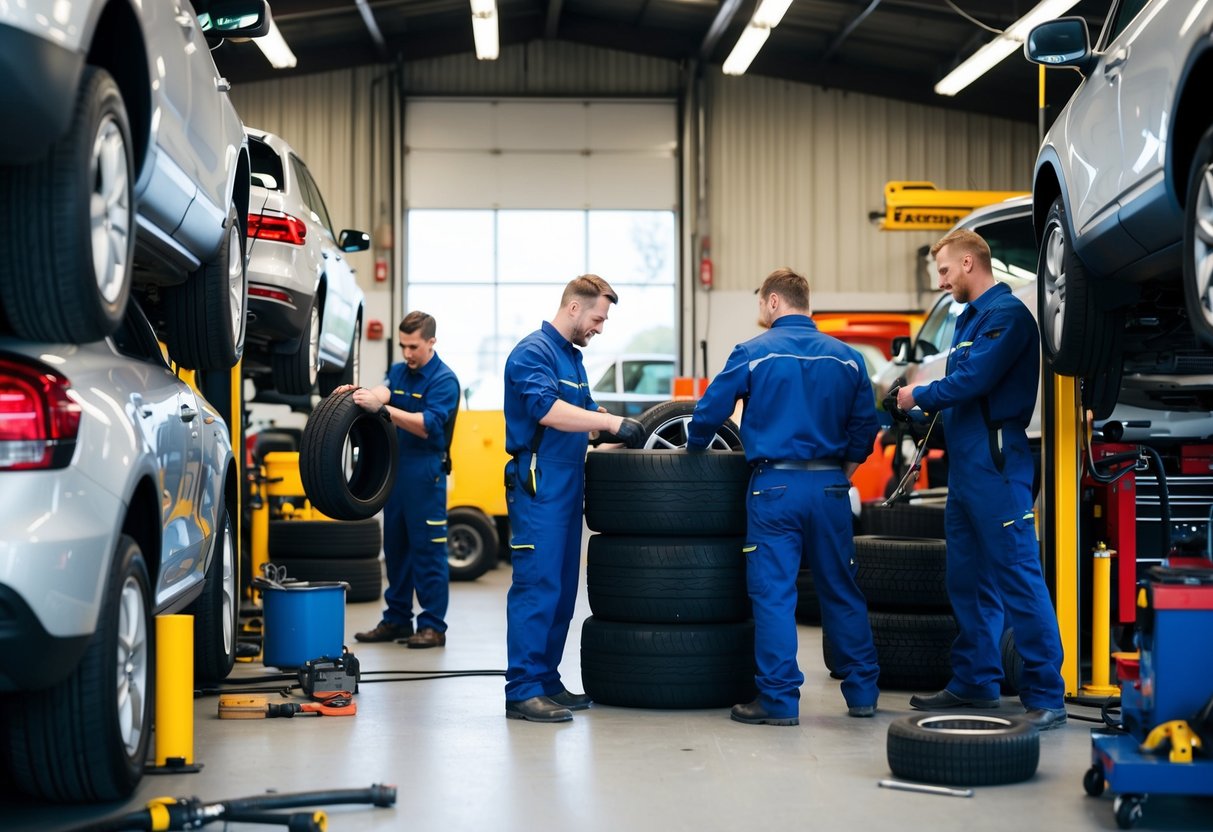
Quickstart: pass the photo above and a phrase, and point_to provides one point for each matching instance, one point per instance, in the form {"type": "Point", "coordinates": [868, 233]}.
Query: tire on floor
{"type": "Point", "coordinates": [365, 577]}
{"type": "Point", "coordinates": [902, 574]}
{"type": "Point", "coordinates": [963, 750]}
{"type": "Point", "coordinates": [904, 520]}
{"type": "Point", "coordinates": [914, 651]}
{"type": "Point", "coordinates": [668, 665]}
{"type": "Point", "coordinates": [347, 459]}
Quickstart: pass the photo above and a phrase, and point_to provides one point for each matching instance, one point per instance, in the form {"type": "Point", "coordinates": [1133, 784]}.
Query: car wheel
{"type": "Point", "coordinates": [1198, 241]}
{"type": "Point", "coordinates": [68, 234]}
{"type": "Point", "coordinates": [1079, 338]}
{"type": "Point", "coordinates": [295, 372]}
{"type": "Point", "coordinates": [471, 545]}
{"type": "Point", "coordinates": [206, 314]}
{"type": "Point", "coordinates": [86, 739]}
{"type": "Point", "coordinates": [350, 373]}
{"type": "Point", "coordinates": [216, 609]}
{"type": "Point", "coordinates": [666, 424]}
{"type": "Point", "coordinates": [347, 459]}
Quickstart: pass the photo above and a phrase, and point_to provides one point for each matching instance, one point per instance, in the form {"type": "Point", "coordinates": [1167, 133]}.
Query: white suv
{"type": "Point", "coordinates": [1122, 199]}
{"type": "Point", "coordinates": [123, 162]}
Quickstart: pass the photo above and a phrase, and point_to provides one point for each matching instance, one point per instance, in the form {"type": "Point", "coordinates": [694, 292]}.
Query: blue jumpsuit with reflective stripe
{"type": "Point", "coordinates": [807, 398]}
{"type": "Point", "coordinates": [994, 573]}
{"type": "Point", "coordinates": [545, 529]}
{"type": "Point", "coordinates": [414, 517]}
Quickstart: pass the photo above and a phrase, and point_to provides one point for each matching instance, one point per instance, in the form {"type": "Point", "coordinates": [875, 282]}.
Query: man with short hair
{"type": "Point", "coordinates": [993, 560]}
{"type": "Point", "coordinates": [809, 421]}
{"type": "Point", "coordinates": [548, 415]}
{"type": "Point", "coordinates": [421, 395]}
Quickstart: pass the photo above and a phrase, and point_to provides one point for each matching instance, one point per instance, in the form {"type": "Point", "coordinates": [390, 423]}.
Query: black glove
{"type": "Point", "coordinates": [631, 433]}
{"type": "Point", "coordinates": [889, 402]}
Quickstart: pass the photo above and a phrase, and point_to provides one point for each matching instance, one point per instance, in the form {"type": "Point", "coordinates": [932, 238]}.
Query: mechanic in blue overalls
{"type": "Point", "coordinates": [993, 560]}
{"type": "Point", "coordinates": [548, 416]}
{"type": "Point", "coordinates": [809, 421]}
{"type": "Point", "coordinates": [421, 395]}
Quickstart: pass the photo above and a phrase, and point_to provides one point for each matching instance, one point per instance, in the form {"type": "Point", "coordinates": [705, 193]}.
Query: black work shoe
{"type": "Point", "coordinates": [1046, 718]}
{"type": "Point", "coordinates": [572, 701]}
{"type": "Point", "coordinates": [537, 709]}
{"type": "Point", "coordinates": [753, 713]}
{"type": "Point", "coordinates": [946, 700]}
{"type": "Point", "coordinates": [861, 710]}
{"type": "Point", "coordinates": [386, 631]}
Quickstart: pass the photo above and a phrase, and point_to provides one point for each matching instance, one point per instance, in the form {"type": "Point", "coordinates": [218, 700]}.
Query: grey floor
{"type": "Point", "coordinates": [460, 765]}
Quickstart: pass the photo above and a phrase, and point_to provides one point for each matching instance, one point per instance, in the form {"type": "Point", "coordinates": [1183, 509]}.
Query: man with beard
{"type": "Point", "coordinates": [548, 416]}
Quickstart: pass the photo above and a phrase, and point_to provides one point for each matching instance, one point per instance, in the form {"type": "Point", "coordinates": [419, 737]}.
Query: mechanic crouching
{"type": "Point", "coordinates": [810, 420]}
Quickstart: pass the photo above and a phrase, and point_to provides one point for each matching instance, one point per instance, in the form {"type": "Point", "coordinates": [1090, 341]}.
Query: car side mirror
{"type": "Point", "coordinates": [924, 349]}
{"type": "Point", "coordinates": [235, 19]}
{"type": "Point", "coordinates": [900, 347]}
{"type": "Point", "coordinates": [351, 240]}
{"type": "Point", "coordinates": [1061, 42]}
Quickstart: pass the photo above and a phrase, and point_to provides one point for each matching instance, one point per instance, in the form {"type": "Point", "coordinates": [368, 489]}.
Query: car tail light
{"type": "Point", "coordinates": [39, 420]}
{"type": "Point", "coordinates": [281, 228]}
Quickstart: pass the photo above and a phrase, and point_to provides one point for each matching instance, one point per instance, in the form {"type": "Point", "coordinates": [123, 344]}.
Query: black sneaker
{"type": "Point", "coordinates": [386, 631]}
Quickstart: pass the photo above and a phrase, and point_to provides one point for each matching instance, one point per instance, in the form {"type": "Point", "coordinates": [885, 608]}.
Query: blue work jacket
{"type": "Point", "coordinates": [432, 390]}
{"type": "Point", "coordinates": [807, 397]}
{"type": "Point", "coordinates": [543, 367]}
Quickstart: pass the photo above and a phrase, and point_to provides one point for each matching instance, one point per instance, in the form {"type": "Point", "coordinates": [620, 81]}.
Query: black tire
{"type": "Point", "coordinates": [666, 427]}
{"type": "Point", "coordinates": [325, 539]}
{"type": "Point", "coordinates": [365, 577]}
{"type": "Point", "coordinates": [271, 441]}
{"type": "Point", "coordinates": [963, 750]}
{"type": "Point", "coordinates": [808, 605]}
{"type": "Point", "coordinates": [1077, 337]}
{"type": "Point", "coordinates": [911, 519]}
{"type": "Point", "coordinates": [295, 372]}
{"type": "Point", "coordinates": [471, 543]}
{"type": "Point", "coordinates": [1128, 810]}
{"type": "Point", "coordinates": [67, 744]}
{"type": "Point", "coordinates": [330, 380]}
{"type": "Point", "coordinates": [1012, 664]}
{"type": "Point", "coordinates": [661, 580]}
{"type": "Point", "coordinates": [667, 666]}
{"type": "Point", "coordinates": [666, 492]}
{"type": "Point", "coordinates": [216, 611]}
{"type": "Point", "coordinates": [348, 458]}
{"type": "Point", "coordinates": [1198, 241]}
{"type": "Point", "coordinates": [1093, 782]}
{"type": "Point", "coordinates": [1100, 394]}
{"type": "Point", "coordinates": [902, 574]}
{"type": "Point", "coordinates": [51, 288]}
{"type": "Point", "coordinates": [914, 651]}
{"type": "Point", "coordinates": [205, 315]}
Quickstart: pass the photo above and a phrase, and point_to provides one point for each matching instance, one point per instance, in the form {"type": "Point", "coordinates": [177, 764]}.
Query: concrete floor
{"type": "Point", "coordinates": [460, 765]}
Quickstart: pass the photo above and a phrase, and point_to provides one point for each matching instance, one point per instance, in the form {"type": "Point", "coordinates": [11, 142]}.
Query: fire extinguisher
{"type": "Point", "coordinates": [705, 265]}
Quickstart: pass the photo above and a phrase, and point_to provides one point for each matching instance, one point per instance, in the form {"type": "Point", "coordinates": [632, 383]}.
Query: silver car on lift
{"type": "Point", "coordinates": [119, 490]}
{"type": "Point", "coordinates": [305, 305]}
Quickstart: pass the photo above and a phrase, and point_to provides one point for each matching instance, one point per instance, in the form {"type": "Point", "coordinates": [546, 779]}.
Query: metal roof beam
{"type": "Point", "coordinates": [553, 19]}
{"type": "Point", "coordinates": [724, 19]}
{"type": "Point", "coordinates": [846, 31]}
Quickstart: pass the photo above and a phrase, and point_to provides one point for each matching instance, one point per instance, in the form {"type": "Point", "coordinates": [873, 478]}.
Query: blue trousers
{"type": "Point", "coordinates": [995, 580]}
{"type": "Point", "coordinates": [799, 518]}
{"type": "Point", "coordinates": [545, 541]}
{"type": "Point", "coordinates": [414, 544]}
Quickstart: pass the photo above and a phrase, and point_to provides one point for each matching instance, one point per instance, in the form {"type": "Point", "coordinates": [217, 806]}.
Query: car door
{"type": "Point", "coordinates": [340, 310]}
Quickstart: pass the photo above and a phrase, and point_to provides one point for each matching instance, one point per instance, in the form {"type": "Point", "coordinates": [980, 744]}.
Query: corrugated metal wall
{"type": "Point", "coordinates": [795, 170]}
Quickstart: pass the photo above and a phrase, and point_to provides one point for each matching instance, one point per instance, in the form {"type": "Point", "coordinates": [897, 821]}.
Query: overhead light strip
{"type": "Point", "coordinates": [484, 29]}
{"type": "Point", "coordinates": [766, 17]}
{"type": "Point", "coordinates": [274, 47]}
{"type": "Point", "coordinates": [994, 52]}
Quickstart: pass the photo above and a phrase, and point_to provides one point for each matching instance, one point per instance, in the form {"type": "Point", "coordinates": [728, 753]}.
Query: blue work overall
{"type": "Point", "coordinates": [414, 517]}
{"type": "Point", "coordinates": [545, 485]}
{"type": "Point", "coordinates": [993, 560]}
{"type": "Point", "coordinates": [809, 409]}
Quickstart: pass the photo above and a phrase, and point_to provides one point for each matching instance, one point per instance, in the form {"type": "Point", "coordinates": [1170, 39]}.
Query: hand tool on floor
{"type": "Point", "coordinates": [243, 706]}
{"type": "Point", "coordinates": [924, 788]}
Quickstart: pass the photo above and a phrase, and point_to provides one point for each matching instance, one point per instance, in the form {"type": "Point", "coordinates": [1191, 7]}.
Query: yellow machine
{"type": "Point", "coordinates": [920, 206]}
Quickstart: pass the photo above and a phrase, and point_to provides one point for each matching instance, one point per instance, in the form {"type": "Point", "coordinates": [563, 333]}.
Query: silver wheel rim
{"type": "Point", "coordinates": [235, 279]}
{"type": "Point", "coordinates": [132, 664]}
{"type": "Point", "coordinates": [1202, 244]}
{"type": "Point", "coordinates": [948, 724]}
{"type": "Point", "coordinates": [110, 213]}
{"type": "Point", "coordinates": [463, 547]}
{"type": "Point", "coordinates": [672, 434]}
{"type": "Point", "coordinates": [1055, 285]}
{"type": "Point", "coordinates": [313, 346]}
{"type": "Point", "coordinates": [229, 587]}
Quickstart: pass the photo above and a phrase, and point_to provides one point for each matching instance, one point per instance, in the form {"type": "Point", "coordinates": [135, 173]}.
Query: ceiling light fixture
{"type": "Point", "coordinates": [274, 47]}
{"type": "Point", "coordinates": [484, 29]}
{"type": "Point", "coordinates": [754, 35]}
{"type": "Point", "coordinates": [993, 53]}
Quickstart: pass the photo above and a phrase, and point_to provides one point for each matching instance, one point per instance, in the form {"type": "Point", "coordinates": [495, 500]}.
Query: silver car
{"type": "Point", "coordinates": [119, 487]}
{"type": "Point", "coordinates": [305, 305]}
{"type": "Point", "coordinates": [123, 165]}
{"type": "Point", "coordinates": [1123, 198]}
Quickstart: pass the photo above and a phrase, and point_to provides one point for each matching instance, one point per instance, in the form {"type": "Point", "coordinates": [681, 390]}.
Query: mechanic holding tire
{"type": "Point", "coordinates": [993, 560]}
{"type": "Point", "coordinates": [548, 416]}
{"type": "Point", "coordinates": [809, 422]}
{"type": "Point", "coordinates": [421, 395]}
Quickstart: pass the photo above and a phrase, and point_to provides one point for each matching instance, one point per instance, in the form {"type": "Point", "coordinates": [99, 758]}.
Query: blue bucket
{"type": "Point", "coordinates": [303, 621]}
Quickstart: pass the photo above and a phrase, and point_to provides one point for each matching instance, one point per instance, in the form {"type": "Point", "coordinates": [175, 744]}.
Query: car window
{"type": "Point", "coordinates": [652, 378]}
{"type": "Point", "coordinates": [307, 192]}
{"type": "Point", "coordinates": [317, 203]}
{"type": "Point", "coordinates": [1125, 13]}
{"type": "Point", "coordinates": [937, 329]}
{"type": "Point", "coordinates": [1013, 250]}
{"type": "Point", "coordinates": [606, 384]}
{"type": "Point", "coordinates": [134, 337]}
{"type": "Point", "coordinates": [266, 165]}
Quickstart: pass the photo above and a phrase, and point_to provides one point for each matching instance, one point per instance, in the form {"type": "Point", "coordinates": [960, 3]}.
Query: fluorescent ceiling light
{"type": "Point", "coordinates": [274, 47]}
{"type": "Point", "coordinates": [993, 53]}
{"type": "Point", "coordinates": [484, 29]}
{"type": "Point", "coordinates": [754, 35]}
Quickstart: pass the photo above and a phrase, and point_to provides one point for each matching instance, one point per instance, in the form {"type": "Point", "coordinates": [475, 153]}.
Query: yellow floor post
{"type": "Point", "coordinates": [1101, 625]}
{"type": "Point", "coordinates": [174, 695]}
{"type": "Point", "coordinates": [1064, 517]}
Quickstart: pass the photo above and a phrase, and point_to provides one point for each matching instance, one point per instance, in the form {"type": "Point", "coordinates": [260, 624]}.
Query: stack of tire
{"type": "Point", "coordinates": [665, 574]}
{"type": "Point", "coordinates": [902, 572]}
{"type": "Point", "coordinates": [331, 550]}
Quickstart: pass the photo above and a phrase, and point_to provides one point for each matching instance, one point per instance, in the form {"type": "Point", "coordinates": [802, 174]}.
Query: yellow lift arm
{"type": "Point", "coordinates": [920, 206]}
